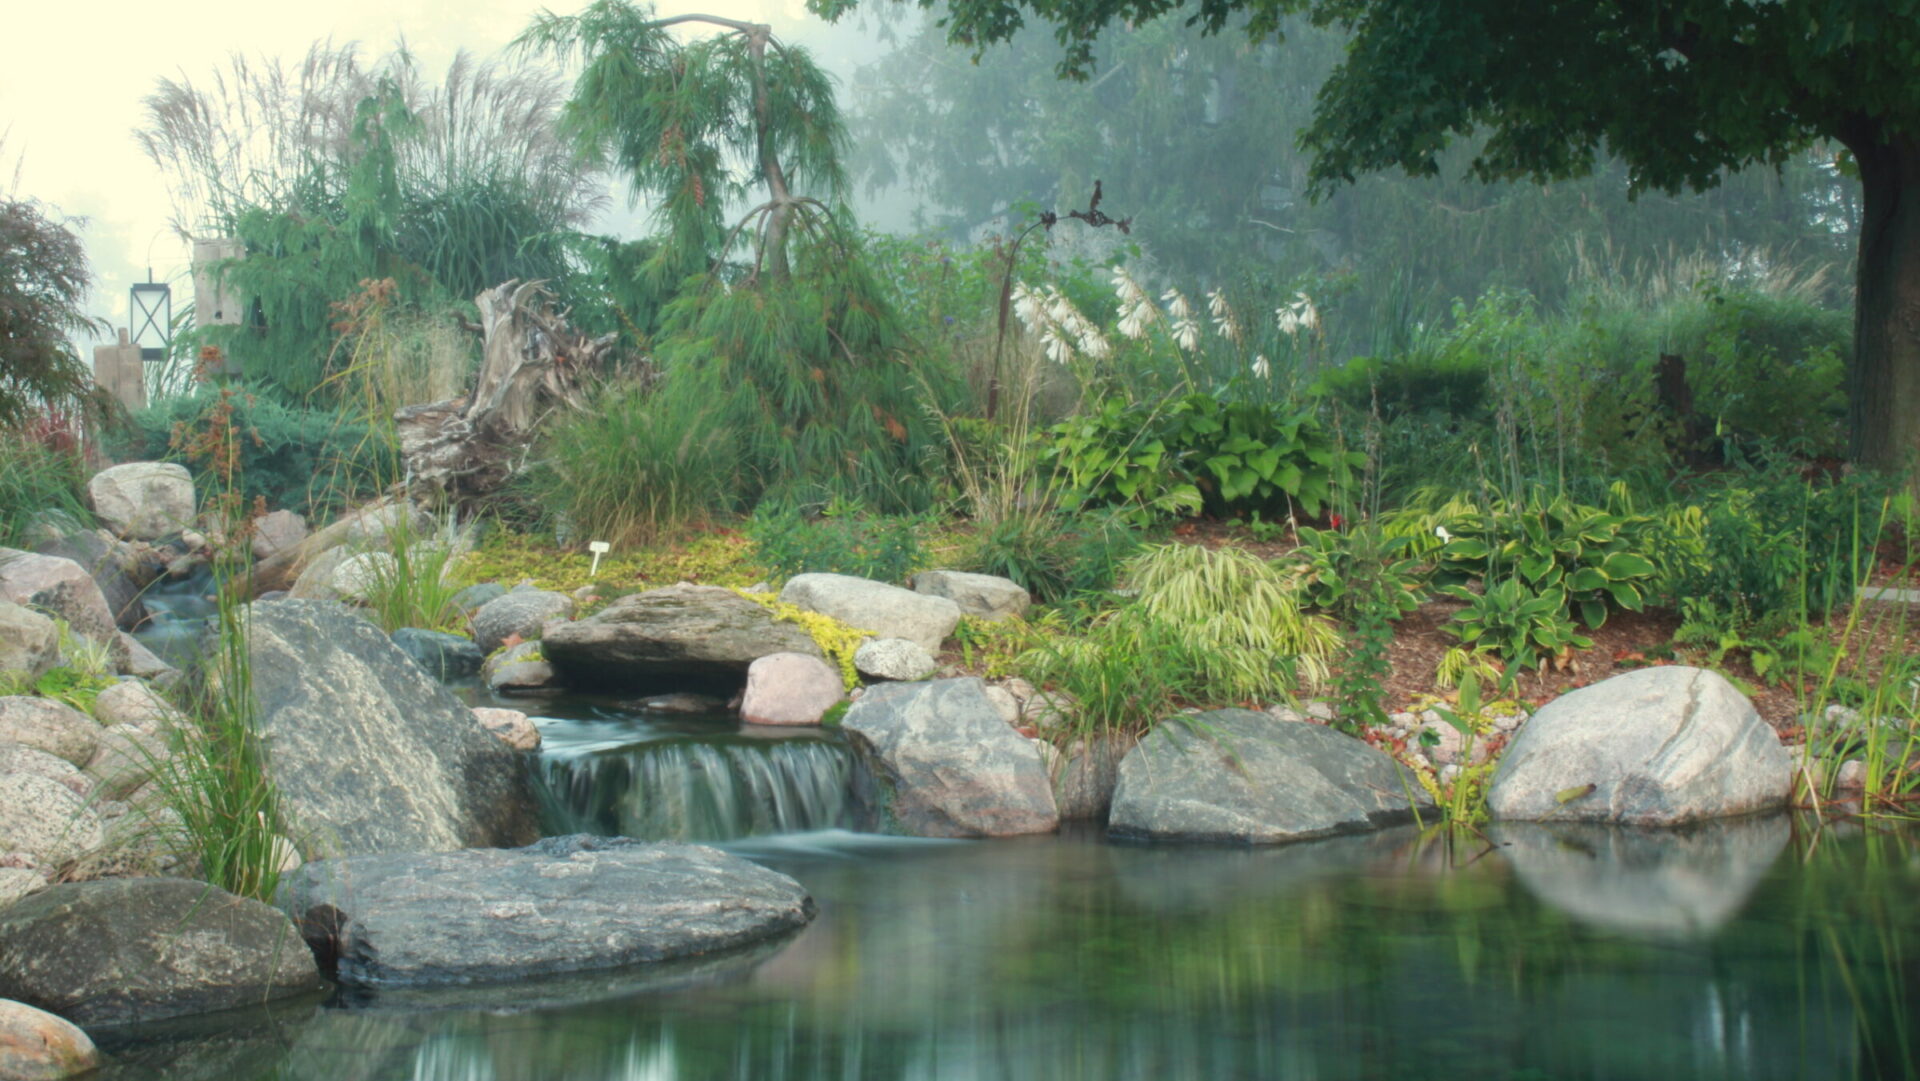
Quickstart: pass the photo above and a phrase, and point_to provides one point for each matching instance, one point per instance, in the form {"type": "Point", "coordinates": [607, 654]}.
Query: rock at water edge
{"type": "Point", "coordinates": [1234, 775]}
{"type": "Point", "coordinates": [1659, 746]}
{"type": "Point", "coordinates": [790, 688]}
{"type": "Point", "coordinates": [875, 607]}
{"type": "Point", "coordinates": [564, 904]}
{"type": "Point", "coordinates": [941, 763]}
{"type": "Point", "coordinates": [144, 949]}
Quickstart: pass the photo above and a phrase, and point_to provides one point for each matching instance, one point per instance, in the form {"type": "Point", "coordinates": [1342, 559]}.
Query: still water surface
{"type": "Point", "coordinates": [1759, 949]}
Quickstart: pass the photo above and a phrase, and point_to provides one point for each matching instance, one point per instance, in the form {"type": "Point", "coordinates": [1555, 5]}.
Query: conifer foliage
{"type": "Point", "coordinates": [778, 337]}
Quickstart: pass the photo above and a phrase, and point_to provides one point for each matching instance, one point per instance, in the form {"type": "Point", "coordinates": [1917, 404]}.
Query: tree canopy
{"type": "Point", "coordinates": [1679, 90]}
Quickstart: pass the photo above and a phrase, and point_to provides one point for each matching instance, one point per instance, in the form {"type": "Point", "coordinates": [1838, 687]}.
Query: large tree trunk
{"type": "Point", "coordinates": [534, 364]}
{"type": "Point", "coordinates": [1884, 383]}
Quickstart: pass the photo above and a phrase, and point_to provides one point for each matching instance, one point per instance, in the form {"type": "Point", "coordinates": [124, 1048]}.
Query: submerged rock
{"type": "Point", "coordinates": [672, 638]}
{"type": "Point", "coordinates": [143, 949]}
{"type": "Point", "coordinates": [941, 763]}
{"type": "Point", "coordinates": [565, 904]}
{"type": "Point", "coordinates": [880, 609]}
{"type": "Point", "coordinates": [1237, 775]}
{"type": "Point", "coordinates": [370, 753]}
{"type": "Point", "coordinates": [1658, 746]}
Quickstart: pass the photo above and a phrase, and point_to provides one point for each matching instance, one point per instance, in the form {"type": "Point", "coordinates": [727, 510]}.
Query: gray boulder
{"type": "Point", "coordinates": [894, 659]}
{"type": "Point", "coordinates": [144, 949]}
{"type": "Point", "coordinates": [143, 500]}
{"type": "Point", "coordinates": [1085, 776]}
{"type": "Point", "coordinates": [521, 667]}
{"type": "Point", "coordinates": [982, 596]}
{"type": "Point", "coordinates": [521, 612]}
{"type": "Point", "coordinates": [472, 597]}
{"type": "Point", "coordinates": [51, 726]}
{"type": "Point", "coordinates": [1240, 776]}
{"type": "Point", "coordinates": [142, 663]}
{"type": "Point", "coordinates": [677, 638]}
{"type": "Point", "coordinates": [29, 641]}
{"type": "Point", "coordinates": [445, 657]}
{"type": "Point", "coordinates": [20, 758]}
{"type": "Point", "coordinates": [1654, 747]}
{"type": "Point", "coordinates": [115, 566]}
{"type": "Point", "coordinates": [879, 609]}
{"type": "Point", "coordinates": [46, 820]}
{"type": "Point", "coordinates": [132, 701]}
{"type": "Point", "coordinates": [276, 532]}
{"type": "Point", "coordinates": [939, 762]}
{"type": "Point", "coordinates": [370, 753]}
{"type": "Point", "coordinates": [565, 904]}
{"type": "Point", "coordinates": [63, 589]}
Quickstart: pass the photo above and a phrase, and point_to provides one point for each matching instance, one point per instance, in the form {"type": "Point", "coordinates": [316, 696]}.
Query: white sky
{"type": "Point", "coordinates": [73, 74]}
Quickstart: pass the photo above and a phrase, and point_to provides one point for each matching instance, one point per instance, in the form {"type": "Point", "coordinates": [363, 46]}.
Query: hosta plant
{"type": "Point", "coordinates": [1519, 624]}
{"type": "Point", "coordinates": [1586, 555]}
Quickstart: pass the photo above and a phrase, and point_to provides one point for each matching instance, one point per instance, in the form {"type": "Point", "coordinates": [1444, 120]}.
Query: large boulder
{"type": "Point", "coordinates": [117, 568]}
{"type": "Point", "coordinates": [982, 596]}
{"type": "Point", "coordinates": [144, 949]}
{"type": "Point", "coordinates": [790, 688]}
{"type": "Point", "coordinates": [521, 613]}
{"type": "Point", "coordinates": [875, 607]}
{"type": "Point", "coordinates": [63, 589]}
{"type": "Point", "coordinates": [939, 762]}
{"type": "Point", "coordinates": [38, 1046]}
{"type": "Point", "coordinates": [29, 641]}
{"type": "Point", "coordinates": [565, 904]}
{"type": "Point", "coordinates": [1658, 746]}
{"type": "Point", "coordinates": [143, 500]}
{"type": "Point", "coordinates": [370, 753]}
{"type": "Point", "coordinates": [46, 820]}
{"type": "Point", "coordinates": [1239, 776]}
{"type": "Point", "coordinates": [51, 726]}
{"type": "Point", "coordinates": [676, 638]}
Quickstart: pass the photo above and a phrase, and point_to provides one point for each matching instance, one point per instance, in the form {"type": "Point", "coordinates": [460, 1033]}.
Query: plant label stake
{"type": "Point", "coordinates": [598, 548]}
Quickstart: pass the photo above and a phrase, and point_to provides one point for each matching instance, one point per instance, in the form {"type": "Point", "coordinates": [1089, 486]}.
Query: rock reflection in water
{"type": "Point", "coordinates": [1662, 884]}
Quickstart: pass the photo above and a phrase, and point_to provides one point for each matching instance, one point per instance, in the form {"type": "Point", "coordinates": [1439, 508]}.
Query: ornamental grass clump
{"type": "Point", "coordinates": [1207, 628]}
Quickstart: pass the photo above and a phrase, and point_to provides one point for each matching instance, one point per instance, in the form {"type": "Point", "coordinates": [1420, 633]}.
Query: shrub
{"type": "Point", "coordinates": [631, 466]}
{"type": "Point", "coordinates": [315, 461]}
{"type": "Point", "coordinates": [37, 478]}
{"type": "Point", "coordinates": [1055, 555]}
{"type": "Point", "coordinates": [885, 548]}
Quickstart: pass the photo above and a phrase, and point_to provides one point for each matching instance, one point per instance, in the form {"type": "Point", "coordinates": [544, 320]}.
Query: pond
{"type": "Point", "coordinates": [1758, 949]}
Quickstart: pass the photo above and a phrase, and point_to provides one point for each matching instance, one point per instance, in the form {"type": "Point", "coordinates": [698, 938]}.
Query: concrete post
{"type": "Point", "coordinates": [215, 303]}
{"type": "Point", "coordinates": [118, 370]}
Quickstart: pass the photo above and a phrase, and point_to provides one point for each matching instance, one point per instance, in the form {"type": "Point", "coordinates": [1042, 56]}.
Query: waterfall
{"type": "Point", "coordinates": [698, 789]}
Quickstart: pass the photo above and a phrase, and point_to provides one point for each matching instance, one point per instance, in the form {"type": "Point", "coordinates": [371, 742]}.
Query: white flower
{"type": "Point", "coordinates": [1225, 322]}
{"type": "Point", "coordinates": [1026, 306]}
{"type": "Point", "coordinates": [1260, 366]}
{"type": "Point", "coordinates": [1177, 304]}
{"type": "Point", "coordinates": [1186, 334]}
{"type": "Point", "coordinates": [1441, 532]}
{"type": "Point", "coordinates": [1298, 316]}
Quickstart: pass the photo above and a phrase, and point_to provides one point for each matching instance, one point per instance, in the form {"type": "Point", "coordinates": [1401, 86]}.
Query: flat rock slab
{"type": "Point", "coordinates": [674, 638]}
{"type": "Point", "coordinates": [1660, 746]}
{"type": "Point", "coordinates": [564, 904]}
{"type": "Point", "coordinates": [144, 949]}
{"type": "Point", "coordinates": [941, 763]}
{"type": "Point", "coordinates": [875, 607]}
{"type": "Point", "coordinates": [1233, 775]}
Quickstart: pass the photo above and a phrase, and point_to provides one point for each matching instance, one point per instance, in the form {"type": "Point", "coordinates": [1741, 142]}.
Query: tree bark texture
{"type": "Point", "coordinates": [1884, 379]}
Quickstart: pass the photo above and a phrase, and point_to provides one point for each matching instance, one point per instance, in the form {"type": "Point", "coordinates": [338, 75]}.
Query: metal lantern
{"type": "Point", "coordinates": [150, 314]}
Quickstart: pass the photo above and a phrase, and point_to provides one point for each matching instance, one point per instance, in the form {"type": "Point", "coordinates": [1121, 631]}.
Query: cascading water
{"type": "Point", "coordinates": [682, 785]}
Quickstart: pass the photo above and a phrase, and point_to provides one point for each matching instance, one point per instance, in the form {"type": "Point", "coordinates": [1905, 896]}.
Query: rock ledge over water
{"type": "Point", "coordinates": [564, 904]}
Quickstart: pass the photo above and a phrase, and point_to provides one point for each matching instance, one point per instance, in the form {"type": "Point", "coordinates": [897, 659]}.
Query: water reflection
{"type": "Point", "coordinates": [1662, 884]}
{"type": "Point", "coordinates": [1044, 959]}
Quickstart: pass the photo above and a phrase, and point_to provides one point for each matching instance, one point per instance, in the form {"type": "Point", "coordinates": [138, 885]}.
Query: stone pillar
{"type": "Point", "coordinates": [215, 303]}
{"type": "Point", "coordinates": [118, 370]}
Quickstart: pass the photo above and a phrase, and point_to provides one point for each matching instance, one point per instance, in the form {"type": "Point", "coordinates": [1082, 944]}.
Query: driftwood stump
{"type": "Point", "coordinates": [534, 364]}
